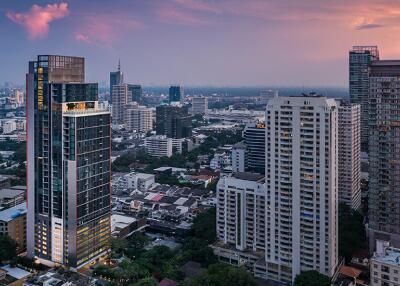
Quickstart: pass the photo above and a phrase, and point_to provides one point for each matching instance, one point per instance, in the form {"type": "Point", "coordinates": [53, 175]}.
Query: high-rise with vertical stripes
{"type": "Point", "coordinates": [68, 170]}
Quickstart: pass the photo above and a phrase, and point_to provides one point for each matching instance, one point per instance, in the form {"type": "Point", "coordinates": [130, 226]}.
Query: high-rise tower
{"type": "Point", "coordinates": [384, 152]}
{"type": "Point", "coordinates": [301, 179]}
{"type": "Point", "coordinates": [68, 164]}
{"type": "Point", "coordinates": [360, 58]}
{"type": "Point", "coordinates": [116, 78]}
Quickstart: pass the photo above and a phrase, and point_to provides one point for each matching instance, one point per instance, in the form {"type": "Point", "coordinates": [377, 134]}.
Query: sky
{"type": "Point", "coordinates": [200, 42]}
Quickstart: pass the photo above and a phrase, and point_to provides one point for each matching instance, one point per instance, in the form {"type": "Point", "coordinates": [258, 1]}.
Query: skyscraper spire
{"type": "Point", "coordinates": [119, 65]}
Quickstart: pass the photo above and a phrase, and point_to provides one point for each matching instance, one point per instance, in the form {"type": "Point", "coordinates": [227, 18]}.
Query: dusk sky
{"type": "Point", "coordinates": [194, 42]}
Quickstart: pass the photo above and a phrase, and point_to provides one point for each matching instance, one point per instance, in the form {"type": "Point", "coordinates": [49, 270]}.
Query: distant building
{"type": "Point", "coordinates": [121, 98]}
{"type": "Point", "coordinates": [360, 59]}
{"type": "Point", "coordinates": [384, 150]}
{"type": "Point", "coordinates": [176, 93]}
{"type": "Point", "coordinates": [138, 118]}
{"type": "Point", "coordinates": [136, 91]}
{"type": "Point", "coordinates": [116, 78]}
{"type": "Point", "coordinates": [239, 157]}
{"type": "Point", "coordinates": [13, 224]}
{"type": "Point", "coordinates": [158, 146]}
{"type": "Point", "coordinates": [173, 121]}
{"type": "Point", "coordinates": [199, 105]}
{"type": "Point", "coordinates": [254, 139]}
{"type": "Point", "coordinates": [349, 163]}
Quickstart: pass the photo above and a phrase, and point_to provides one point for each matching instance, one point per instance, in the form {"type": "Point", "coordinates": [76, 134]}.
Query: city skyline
{"type": "Point", "coordinates": [245, 43]}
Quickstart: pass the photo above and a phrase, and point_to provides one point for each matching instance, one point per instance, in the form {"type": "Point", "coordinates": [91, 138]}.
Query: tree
{"type": "Point", "coordinates": [204, 227]}
{"type": "Point", "coordinates": [148, 281]}
{"type": "Point", "coordinates": [351, 232]}
{"type": "Point", "coordinates": [8, 249]}
{"type": "Point", "coordinates": [311, 278]}
{"type": "Point", "coordinates": [222, 275]}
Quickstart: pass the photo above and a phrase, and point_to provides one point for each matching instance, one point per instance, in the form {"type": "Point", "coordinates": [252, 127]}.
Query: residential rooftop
{"type": "Point", "coordinates": [392, 256]}
{"type": "Point", "coordinates": [256, 177]}
{"type": "Point", "coordinates": [12, 213]}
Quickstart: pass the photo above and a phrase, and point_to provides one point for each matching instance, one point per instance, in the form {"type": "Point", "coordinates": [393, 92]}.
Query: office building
{"type": "Point", "coordinates": [199, 105]}
{"type": "Point", "coordinates": [121, 98]}
{"type": "Point", "coordinates": [68, 164]}
{"type": "Point", "coordinates": [360, 58]}
{"type": "Point", "coordinates": [116, 78]}
{"type": "Point", "coordinates": [384, 152]}
{"type": "Point", "coordinates": [176, 94]}
{"type": "Point", "coordinates": [138, 118]}
{"type": "Point", "coordinates": [385, 265]}
{"type": "Point", "coordinates": [173, 121]}
{"type": "Point", "coordinates": [158, 146]}
{"type": "Point", "coordinates": [254, 139]}
{"type": "Point", "coordinates": [13, 224]}
{"type": "Point", "coordinates": [239, 157]}
{"type": "Point", "coordinates": [136, 91]}
{"type": "Point", "coordinates": [301, 181]}
{"type": "Point", "coordinates": [349, 137]}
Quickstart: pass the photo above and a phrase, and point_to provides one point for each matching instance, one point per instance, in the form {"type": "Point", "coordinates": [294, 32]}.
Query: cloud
{"type": "Point", "coordinates": [199, 6]}
{"type": "Point", "coordinates": [173, 16]}
{"type": "Point", "coordinates": [104, 29]}
{"type": "Point", "coordinates": [37, 20]}
{"type": "Point", "coordinates": [361, 23]}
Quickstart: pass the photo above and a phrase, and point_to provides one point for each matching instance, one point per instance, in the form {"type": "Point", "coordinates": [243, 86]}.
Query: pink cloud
{"type": "Point", "coordinates": [199, 6]}
{"type": "Point", "coordinates": [37, 20]}
{"type": "Point", "coordinates": [173, 16]}
{"type": "Point", "coordinates": [103, 29]}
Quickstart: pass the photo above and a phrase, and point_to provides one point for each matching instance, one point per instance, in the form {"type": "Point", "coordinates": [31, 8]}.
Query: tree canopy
{"type": "Point", "coordinates": [8, 249]}
{"type": "Point", "coordinates": [311, 278]}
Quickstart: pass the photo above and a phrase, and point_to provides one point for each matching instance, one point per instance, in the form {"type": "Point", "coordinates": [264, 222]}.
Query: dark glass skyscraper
{"type": "Point", "coordinates": [176, 93]}
{"type": "Point", "coordinates": [68, 164]}
{"type": "Point", "coordinates": [360, 58]}
{"type": "Point", "coordinates": [116, 78]}
{"type": "Point", "coordinates": [173, 121]}
{"type": "Point", "coordinates": [136, 91]}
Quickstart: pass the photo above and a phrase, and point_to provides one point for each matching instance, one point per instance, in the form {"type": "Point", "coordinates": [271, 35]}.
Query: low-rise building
{"type": "Point", "coordinates": [13, 224]}
{"type": "Point", "coordinates": [134, 181]}
{"type": "Point", "coordinates": [385, 265]}
{"type": "Point", "coordinates": [11, 197]}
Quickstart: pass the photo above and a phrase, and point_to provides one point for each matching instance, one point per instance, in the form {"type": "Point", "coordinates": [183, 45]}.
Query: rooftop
{"type": "Point", "coordinates": [256, 177]}
{"type": "Point", "coordinates": [392, 256]}
{"type": "Point", "coordinates": [12, 213]}
{"type": "Point", "coordinates": [10, 193]}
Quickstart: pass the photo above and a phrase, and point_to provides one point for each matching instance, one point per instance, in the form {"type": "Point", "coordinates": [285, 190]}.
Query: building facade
{"type": "Point", "coordinates": [138, 118]}
{"type": "Point", "coordinates": [301, 186]}
{"type": "Point", "coordinates": [176, 93]}
{"type": "Point", "coordinates": [116, 78]}
{"type": "Point", "coordinates": [360, 58]}
{"type": "Point", "coordinates": [122, 96]}
{"type": "Point", "coordinates": [349, 154]}
{"type": "Point", "coordinates": [385, 266]}
{"type": "Point", "coordinates": [199, 105]}
{"type": "Point", "coordinates": [68, 164]}
{"type": "Point", "coordinates": [384, 152]}
{"type": "Point", "coordinates": [158, 146]}
{"type": "Point", "coordinates": [239, 157]}
{"type": "Point", "coordinates": [254, 139]}
{"type": "Point", "coordinates": [136, 91]}
{"type": "Point", "coordinates": [173, 121]}
{"type": "Point", "coordinates": [13, 224]}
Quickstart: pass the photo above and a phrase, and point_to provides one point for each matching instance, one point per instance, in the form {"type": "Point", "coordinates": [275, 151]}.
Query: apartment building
{"type": "Point", "coordinates": [349, 137]}
{"type": "Point", "coordinates": [301, 181]}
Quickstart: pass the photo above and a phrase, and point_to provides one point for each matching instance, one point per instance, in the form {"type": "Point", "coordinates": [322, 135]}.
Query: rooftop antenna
{"type": "Point", "coordinates": [119, 65]}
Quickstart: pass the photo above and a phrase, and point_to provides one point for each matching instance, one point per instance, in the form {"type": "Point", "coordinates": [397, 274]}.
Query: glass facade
{"type": "Point", "coordinates": [68, 163]}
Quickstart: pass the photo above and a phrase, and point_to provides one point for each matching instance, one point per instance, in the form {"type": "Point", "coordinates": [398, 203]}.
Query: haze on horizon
{"type": "Point", "coordinates": [199, 42]}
